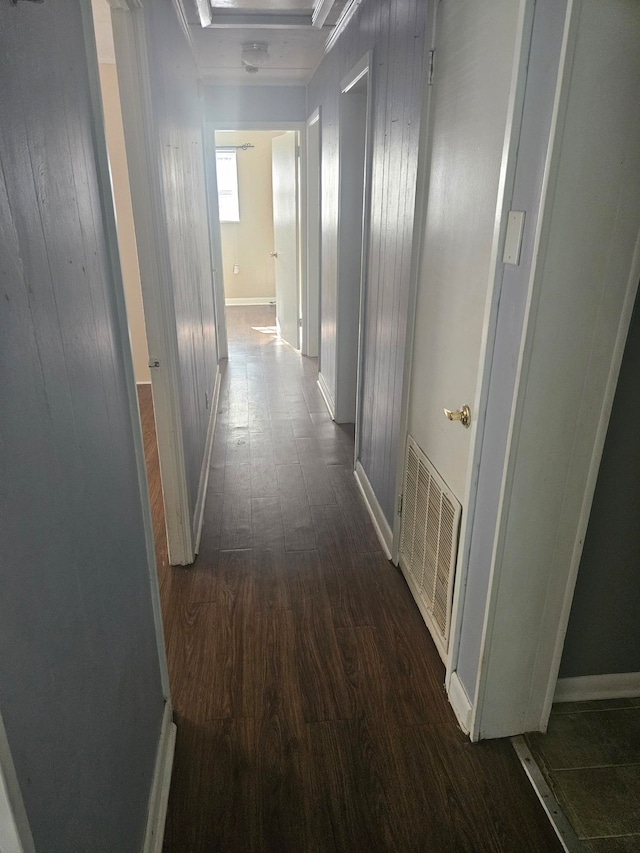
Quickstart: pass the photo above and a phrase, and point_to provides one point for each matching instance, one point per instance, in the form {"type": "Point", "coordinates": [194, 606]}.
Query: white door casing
{"type": "Point", "coordinates": [155, 270]}
{"type": "Point", "coordinates": [286, 235]}
{"type": "Point", "coordinates": [311, 293]}
{"type": "Point", "coordinates": [354, 109]}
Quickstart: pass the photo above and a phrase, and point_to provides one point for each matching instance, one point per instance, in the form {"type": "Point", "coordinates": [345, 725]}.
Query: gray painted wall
{"type": "Point", "coordinates": [229, 104]}
{"type": "Point", "coordinates": [80, 684]}
{"type": "Point", "coordinates": [603, 635]}
{"type": "Point", "coordinates": [179, 120]}
{"type": "Point", "coordinates": [394, 30]}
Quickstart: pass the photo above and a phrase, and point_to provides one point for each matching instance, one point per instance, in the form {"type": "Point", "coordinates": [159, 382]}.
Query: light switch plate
{"type": "Point", "coordinates": [513, 237]}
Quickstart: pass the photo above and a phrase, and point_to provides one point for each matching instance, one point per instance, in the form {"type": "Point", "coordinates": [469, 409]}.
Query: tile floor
{"type": "Point", "coordinates": [591, 759]}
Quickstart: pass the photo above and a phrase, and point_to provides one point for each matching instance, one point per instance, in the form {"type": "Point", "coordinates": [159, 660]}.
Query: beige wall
{"type": "Point", "coordinates": [124, 217]}
{"type": "Point", "coordinates": [248, 243]}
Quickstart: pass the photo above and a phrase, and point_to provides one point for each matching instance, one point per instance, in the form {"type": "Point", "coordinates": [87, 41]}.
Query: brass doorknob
{"type": "Point", "coordinates": [273, 254]}
{"type": "Point", "coordinates": [463, 415]}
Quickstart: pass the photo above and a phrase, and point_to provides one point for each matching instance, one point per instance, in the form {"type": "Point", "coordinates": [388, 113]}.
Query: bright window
{"type": "Point", "coordinates": [227, 172]}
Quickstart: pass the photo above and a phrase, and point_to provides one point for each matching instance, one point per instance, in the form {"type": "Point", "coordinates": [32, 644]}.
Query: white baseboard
{"type": "Point", "coordinates": [198, 516]}
{"type": "Point", "coordinates": [250, 300]}
{"type": "Point", "coordinates": [460, 703]}
{"type": "Point", "coordinates": [380, 523]}
{"type": "Point", "coordinates": [159, 797]}
{"type": "Point", "coordinates": [327, 396]}
{"type": "Point", "coordinates": [15, 832]}
{"type": "Point", "coordinates": [617, 685]}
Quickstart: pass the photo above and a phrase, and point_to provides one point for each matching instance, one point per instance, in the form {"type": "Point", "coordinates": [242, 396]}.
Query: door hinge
{"type": "Point", "coordinates": [300, 322]}
{"type": "Point", "coordinates": [154, 362]}
{"type": "Point", "coordinates": [430, 73]}
{"type": "Point", "coordinates": [400, 504]}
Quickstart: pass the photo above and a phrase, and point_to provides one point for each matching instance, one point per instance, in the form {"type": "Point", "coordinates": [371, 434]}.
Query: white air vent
{"type": "Point", "coordinates": [429, 541]}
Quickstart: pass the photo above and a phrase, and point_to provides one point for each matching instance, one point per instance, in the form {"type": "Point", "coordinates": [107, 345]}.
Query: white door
{"type": "Point", "coordinates": [472, 80]}
{"type": "Point", "coordinates": [470, 120]}
{"type": "Point", "coordinates": [285, 234]}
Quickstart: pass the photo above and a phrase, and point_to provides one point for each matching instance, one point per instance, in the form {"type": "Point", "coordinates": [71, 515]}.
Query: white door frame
{"type": "Point", "coordinates": [215, 237]}
{"type": "Point", "coordinates": [311, 293]}
{"type": "Point", "coordinates": [301, 127]}
{"type": "Point", "coordinates": [147, 197]}
{"type": "Point", "coordinates": [360, 71]}
{"type": "Point", "coordinates": [548, 591]}
{"type": "Point", "coordinates": [479, 405]}
{"type": "Point", "coordinates": [15, 832]}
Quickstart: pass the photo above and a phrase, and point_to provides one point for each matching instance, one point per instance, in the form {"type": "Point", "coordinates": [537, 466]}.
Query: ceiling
{"type": "Point", "coordinates": [295, 46]}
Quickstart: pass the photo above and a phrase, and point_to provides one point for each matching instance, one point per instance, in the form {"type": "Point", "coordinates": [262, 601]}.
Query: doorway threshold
{"type": "Point", "coordinates": [565, 832]}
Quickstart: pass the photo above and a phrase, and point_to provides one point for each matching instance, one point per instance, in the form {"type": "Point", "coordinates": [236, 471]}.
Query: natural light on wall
{"type": "Point", "coordinates": [227, 173]}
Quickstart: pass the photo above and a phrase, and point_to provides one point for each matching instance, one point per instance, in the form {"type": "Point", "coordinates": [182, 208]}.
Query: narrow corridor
{"type": "Point", "coordinates": [307, 692]}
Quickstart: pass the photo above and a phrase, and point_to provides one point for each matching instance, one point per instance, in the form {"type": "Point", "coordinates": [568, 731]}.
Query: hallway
{"type": "Point", "coordinates": [307, 692]}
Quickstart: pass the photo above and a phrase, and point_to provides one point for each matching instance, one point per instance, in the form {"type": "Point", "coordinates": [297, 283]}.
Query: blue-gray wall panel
{"type": "Point", "coordinates": [602, 636]}
{"type": "Point", "coordinates": [255, 103]}
{"type": "Point", "coordinates": [80, 685]}
{"type": "Point", "coordinates": [395, 34]}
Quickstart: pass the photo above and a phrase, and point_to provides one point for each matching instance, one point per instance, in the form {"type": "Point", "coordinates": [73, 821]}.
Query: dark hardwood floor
{"type": "Point", "coordinates": [307, 692]}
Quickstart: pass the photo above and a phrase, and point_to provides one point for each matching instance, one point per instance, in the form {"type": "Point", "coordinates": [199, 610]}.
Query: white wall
{"type": "Point", "coordinates": [249, 242]}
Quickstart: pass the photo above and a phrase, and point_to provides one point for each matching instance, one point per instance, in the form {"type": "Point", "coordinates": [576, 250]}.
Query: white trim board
{"type": "Point", "coordinates": [250, 300]}
{"type": "Point", "coordinates": [147, 197]}
{"type": "Point", "coordinates": [380, 523]}
{"type": "Point", "coordinates": [15, 833]}
{"type": "Point", "coordinates": [159, 795]}
{"type": "Point", "coordinates": [198, 516]}
{"type": "Point", "coordinates": [460, 703]}
{"type": "Point", "coordinates": [327, 396]}
{"type": "Point", "coordinates": [617, 685]}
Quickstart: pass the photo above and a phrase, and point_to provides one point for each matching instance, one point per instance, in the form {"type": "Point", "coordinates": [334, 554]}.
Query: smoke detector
{"type": "Point", "coordinates": [255, 55]}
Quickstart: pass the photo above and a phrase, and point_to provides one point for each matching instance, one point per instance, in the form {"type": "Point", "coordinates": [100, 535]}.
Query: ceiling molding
{"type": "Point", "coordinates": [204, 12]}
{"type": "Point", "coordinates": [320, 12]}
{"type": "Point", "coordinates": [253, 21]}
{"type": "Point", "coordinates": [341, 24]}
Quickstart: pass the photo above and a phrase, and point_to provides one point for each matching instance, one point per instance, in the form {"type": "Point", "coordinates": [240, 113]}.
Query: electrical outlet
{"type": "Point", "coordinates": [236, 269]}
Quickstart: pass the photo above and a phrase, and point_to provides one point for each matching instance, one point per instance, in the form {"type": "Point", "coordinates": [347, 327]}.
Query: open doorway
{"type": "Point", "coordinates": [258, 203]}
{"type": "Point", "coordinates": [352, 213]}
{"type": "Point", "coordinates": [116, 150]}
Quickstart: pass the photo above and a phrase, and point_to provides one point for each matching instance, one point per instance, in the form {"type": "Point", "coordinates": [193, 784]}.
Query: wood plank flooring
{"type": "Point", "coordinates": [308, 694]}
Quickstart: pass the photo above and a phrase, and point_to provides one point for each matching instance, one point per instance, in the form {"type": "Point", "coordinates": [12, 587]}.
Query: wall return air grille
{"type": "Point", "coordinates": [429, 541]}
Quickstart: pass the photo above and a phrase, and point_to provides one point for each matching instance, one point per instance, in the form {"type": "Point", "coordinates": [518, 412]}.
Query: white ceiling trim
{"type": "Point", "coordinates": [341, 24]}
{"type": "Point", "coordinates": [233, 20]}
{"type": "Point", "coordinates": [320, 12]}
